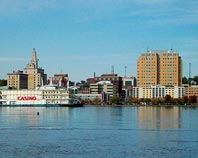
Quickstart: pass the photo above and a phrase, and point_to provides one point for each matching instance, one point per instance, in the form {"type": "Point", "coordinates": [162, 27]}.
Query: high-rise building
{"type": "Point", "coordinates": [36, 75]}
{"type": "Point", "coordinates": [17, 80]}
{"type": "Point", "coordinates": [159, 68]}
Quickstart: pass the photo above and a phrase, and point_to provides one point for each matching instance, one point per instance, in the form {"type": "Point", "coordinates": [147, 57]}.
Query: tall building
{"type": "Point", "coordinates": [17, 80]}
{"type": "Point", "coordinates": [36, 75]}
{"type": "Point", "coordinates": [159, 68]}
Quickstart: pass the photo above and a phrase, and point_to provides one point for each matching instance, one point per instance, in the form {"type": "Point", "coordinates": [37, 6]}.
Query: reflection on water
{"type": "Point", "coordinates": [98, 132]}
{"type": "Point", "coordinates": [159, 117]}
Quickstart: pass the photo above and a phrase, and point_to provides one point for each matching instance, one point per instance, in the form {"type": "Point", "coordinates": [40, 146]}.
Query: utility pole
{"type": "Point", "coordinates": [112, 69]}
{"type": "Point", "coordinates": [189, 77]}
{"type": "Point", "coordinates": [125, 70]}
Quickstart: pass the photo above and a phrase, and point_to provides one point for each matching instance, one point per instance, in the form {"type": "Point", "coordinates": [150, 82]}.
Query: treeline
{"type": "Point", "coordinates": [116, 100]}
{"type": "Point", "coordinates": [3, 82]}
{"type": "Point", "coordinates": [167, 99]}
{"type": "Point", "coordinates": [193, 81]}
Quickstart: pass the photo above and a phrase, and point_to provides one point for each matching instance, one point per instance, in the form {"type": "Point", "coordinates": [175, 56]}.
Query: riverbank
{"type": "Point", "coordinates": [140, 105]}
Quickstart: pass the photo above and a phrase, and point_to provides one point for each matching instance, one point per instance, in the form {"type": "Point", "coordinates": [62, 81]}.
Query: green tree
{"type": "Point", "coordinates": [195, 78]}
{"type": "Point", "coordinates": [147, 100]}
{"type": "Point", "coordinates": [3, 82]}
{"type": "Point", "coordinates": [178, 100]}
{"type": "Point", "coordinates": [184, 80]}
{"type": "Point", "coordinates": [115, 100]}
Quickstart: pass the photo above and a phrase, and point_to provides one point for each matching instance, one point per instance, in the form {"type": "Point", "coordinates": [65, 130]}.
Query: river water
{"type": "Point", "coordinates": [98, 132]}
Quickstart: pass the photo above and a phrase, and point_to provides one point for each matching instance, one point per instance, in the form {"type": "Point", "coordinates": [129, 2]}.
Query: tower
{"type": "Point", "coordinates": [36, 76]}
{"type": "Point", "coordinates": [159, 68]}
{"type": "Point", "coordinates": [34, 60]}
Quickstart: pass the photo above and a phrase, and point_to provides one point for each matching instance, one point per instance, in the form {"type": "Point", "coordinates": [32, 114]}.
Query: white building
{"type": "Point", "coordinates": [158, 91]}
{"type": "Point", "coordinates": [41, 95]}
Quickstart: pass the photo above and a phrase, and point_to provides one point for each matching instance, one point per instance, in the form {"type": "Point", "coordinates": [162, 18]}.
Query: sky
{"type": "Point", "coordinates": [80, 37]}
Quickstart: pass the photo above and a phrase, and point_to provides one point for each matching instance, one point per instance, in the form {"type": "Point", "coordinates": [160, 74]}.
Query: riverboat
{"type": "Point", "coordinates": [41, 96]}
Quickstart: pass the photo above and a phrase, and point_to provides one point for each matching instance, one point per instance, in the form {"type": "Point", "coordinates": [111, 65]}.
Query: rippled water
{"type": "Point", "coordinates": [98, 132]}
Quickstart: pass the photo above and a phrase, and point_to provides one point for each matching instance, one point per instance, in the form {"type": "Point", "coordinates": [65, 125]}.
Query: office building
{"type": "Point", "coordinates": [114, 79]}
{"type": "Point", "coordinates": [105, 88]}
{"type": "Point", "coordinates": [159, 68]}
{"type": "Point", "coordinates": [127, 86]}
{"type": "Point", "coordinates": [17, 80]}
{"type": "Point", "coordinates": [60, 80]}
{"type": "Point", "coordinates": [191, 90]}
{"type": "Point", "coordinates": [158, 92]}
{"type": "Point", "coordinates": [36, 75]}
{"type": "Point", "coordinates": [102, 87]}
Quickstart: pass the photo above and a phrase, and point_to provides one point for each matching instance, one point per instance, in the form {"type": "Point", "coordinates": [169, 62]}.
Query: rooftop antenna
{"type": "Point", "coordinates": [125, 70]}
{"type": "Point", "coordinates": [189, 82]}
{"type": "Point", "coordinates": [112, 69]}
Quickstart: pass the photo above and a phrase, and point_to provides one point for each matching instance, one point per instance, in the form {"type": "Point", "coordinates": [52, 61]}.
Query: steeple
{"type": "Point", "coordinates": [34, 59]}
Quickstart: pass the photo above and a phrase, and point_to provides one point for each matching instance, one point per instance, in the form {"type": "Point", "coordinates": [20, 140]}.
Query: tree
{"type": "Point", "coordinates": [192, 99]}
{"type": "Point", "coordinates": [159, 100]}
{"type": "Point", "coordinates": [195, 79]}
{"type": "Point", "coordinates": [167, 99]}
{"type": "Point", "coordinates": [3, 82]}
{"type": "Point", "coordinates": [96, 100]}
{"type": "Point", "coordinates": [184, 80]}
{"type": "Point", "coordinates": [184, 99]}
{"type": "Point", "coordinates": [115, 100]}
{"type": "Point", "coordinates": [147, 100]}
{"type": "Point", "coordinates": [178, 100]}
{"type": "Point", "coordinates": [133, 100]}
{"type": "Point", "coordinates": [154, 101]}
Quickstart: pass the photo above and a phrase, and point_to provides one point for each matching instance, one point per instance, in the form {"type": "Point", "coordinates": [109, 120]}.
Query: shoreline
{"type": "Point", "coordinates": [141, 105]}
{"type": "Point", "coordinates": [112, 105]}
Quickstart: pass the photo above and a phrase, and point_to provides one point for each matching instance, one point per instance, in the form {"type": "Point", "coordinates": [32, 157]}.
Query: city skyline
{"type": "Point", "coordinates": [82, 37]}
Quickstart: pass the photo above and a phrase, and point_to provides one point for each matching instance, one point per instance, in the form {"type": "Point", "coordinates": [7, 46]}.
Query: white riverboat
{"type": "Point", "coordinates": [41, 96]}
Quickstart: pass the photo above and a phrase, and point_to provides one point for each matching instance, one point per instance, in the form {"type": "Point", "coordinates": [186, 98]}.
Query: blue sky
{"type": "Point", "coordinates": [80, 37]}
